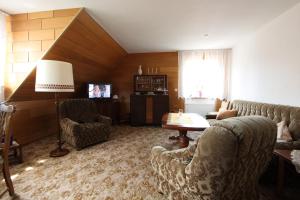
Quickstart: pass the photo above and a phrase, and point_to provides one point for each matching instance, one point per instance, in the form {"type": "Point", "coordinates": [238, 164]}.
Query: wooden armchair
{"type": "Point", "coordinates": [5, 135]}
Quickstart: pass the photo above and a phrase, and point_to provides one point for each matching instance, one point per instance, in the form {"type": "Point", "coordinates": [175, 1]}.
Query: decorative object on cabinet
{"type": "Point", "coordinates": [55, 76]}
{"type": "Point", "coordinates": [116, 97]}
{"type": "Point", "coordinates": [140, 71]}
{"type": "Point", "coordinates": [150, 83]}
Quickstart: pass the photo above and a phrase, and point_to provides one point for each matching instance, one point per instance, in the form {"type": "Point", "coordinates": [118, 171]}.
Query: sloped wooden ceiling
{"type": "Point", "coordinates": [86, 45]}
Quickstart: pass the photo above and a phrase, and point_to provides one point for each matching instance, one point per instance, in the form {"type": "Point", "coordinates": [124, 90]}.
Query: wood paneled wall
{"type": "Point", "coordinates": [93, 53]}
{"type": "Point", "coordinates": [86, 45]}
{"type": "Point", "coordinates": [122, 76]}
{"type": "Point", "coordinates": [30, 35]}
{"type": "Point", "coordinates": [34, 120]}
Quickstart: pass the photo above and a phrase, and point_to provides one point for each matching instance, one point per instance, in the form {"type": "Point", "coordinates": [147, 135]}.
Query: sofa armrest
{"type": "Point", "coordinates": [289, 145]}
{"type": "Point", "coordinates": [211, 115]}
{"type": "Point", "coordinates": [103, 119]}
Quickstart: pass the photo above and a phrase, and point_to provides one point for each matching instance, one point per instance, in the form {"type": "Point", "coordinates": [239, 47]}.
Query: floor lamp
{"type": "Point", "coordinates": [55, 76]}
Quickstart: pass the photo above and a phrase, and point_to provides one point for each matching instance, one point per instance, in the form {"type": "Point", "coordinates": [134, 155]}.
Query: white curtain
{"type": "Point", "coordinates": [204, 73]}
{"type": "Point", "coordinates": [3, 46]}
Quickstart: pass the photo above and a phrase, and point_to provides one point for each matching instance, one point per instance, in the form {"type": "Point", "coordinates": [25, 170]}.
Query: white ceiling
{"type": "Point", "coordinates": [168, 25]}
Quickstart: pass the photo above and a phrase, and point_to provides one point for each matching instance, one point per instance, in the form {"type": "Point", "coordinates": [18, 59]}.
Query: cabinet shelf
{"type": "Point", "coordinates": [150, 83]}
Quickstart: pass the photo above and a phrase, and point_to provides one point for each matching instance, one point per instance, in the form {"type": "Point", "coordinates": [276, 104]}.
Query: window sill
{"type": "Point", "coordinates": [199, 101]}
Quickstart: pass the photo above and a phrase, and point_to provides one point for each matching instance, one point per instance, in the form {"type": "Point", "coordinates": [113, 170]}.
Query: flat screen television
{"type": "Point", "coordinates": [99, 90]}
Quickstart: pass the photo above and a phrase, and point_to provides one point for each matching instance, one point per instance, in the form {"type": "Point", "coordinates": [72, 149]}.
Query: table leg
{"type": "Point", "coordinates": [280, 176]}
{"type": "Point", "coordinates": [183, 140]}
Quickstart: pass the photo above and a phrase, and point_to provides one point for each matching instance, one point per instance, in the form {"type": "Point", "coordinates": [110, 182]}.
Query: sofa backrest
{"type": "Point", "coordinates": [79, 110]}
{"type": "Point", "coordinates": [274, 112]}
{"type": "Point", "coordinates": [230, 157]}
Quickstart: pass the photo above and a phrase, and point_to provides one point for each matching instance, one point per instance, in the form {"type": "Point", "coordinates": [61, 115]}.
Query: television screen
{"type": "Point", "coordinates": [99, 90]}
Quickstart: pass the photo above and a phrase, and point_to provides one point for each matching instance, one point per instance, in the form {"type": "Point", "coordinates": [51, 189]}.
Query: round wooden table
{"type": "Point", "coordinates": [184, 122]}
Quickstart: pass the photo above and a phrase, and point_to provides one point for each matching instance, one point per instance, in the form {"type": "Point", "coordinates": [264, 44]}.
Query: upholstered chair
{"type": "Point", "coordinates": [225, 162]}
{"type": "Point", "coordinates": [6, 112]}
{"type": "Point", "coordinates": [81, 124]}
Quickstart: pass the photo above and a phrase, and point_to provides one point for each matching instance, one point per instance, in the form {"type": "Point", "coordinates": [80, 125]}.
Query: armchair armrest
{"type": "Point", "coordinates": [185, 155]}
{"type": "Point", "coordinates": [68, 125]}
{"type": "Point", "coordinates": [170, 165]}
{"type": "Point", "coordinates": [103, 119]}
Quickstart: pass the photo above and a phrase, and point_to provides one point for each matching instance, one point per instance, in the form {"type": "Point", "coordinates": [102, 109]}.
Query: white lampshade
{"type": "Point", "coordinates": [54, 76]}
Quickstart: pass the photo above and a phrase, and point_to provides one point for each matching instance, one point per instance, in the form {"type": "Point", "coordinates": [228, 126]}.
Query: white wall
{"type": "Point", "coordinates": [266, 65]}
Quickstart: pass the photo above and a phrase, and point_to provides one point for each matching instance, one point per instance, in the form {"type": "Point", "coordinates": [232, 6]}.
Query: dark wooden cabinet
{"type": "Point", "coordinates": [148, 109]}
{"type": "Point", "coordinates": [160, 107]}
{"type": "Point", "coordinates": [137, 109]}
{"type": "Point", "coordinates": [109, 108]}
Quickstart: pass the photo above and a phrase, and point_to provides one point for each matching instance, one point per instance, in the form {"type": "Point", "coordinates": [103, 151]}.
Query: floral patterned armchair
{"type": "Point", "coordinates": [225, 162]}
{"type": "Point", "coordinates": [81, 124]}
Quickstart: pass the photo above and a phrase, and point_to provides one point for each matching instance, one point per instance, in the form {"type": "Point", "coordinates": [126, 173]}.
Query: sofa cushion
{"type": "Point", "coordinates": [224, 105]}
{"type": "Point", "coordinates": [226, 114]}
{"type": "Point", "coordinates": [283, 132]}
{"type": "Point", "coordinates": [294, 128]}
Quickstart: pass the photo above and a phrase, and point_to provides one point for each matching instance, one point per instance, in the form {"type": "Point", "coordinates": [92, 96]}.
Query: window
{"type": "Point", "coordinates": [203, 73]}
{"type": "Point", "coordinates": [2, 53]}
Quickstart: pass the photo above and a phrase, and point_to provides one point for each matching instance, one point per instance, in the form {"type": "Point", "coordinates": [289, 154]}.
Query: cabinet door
{"type": "Point", "coordinates": [137, 110]}
{"type": "Point", "coordinates": [160, 107]}
{"type": "Point", "coordinates": [115, 112]}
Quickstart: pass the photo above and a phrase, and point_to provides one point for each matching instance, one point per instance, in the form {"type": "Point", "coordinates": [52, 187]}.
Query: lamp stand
{"type": "Point", "coordinates": [59, 151]}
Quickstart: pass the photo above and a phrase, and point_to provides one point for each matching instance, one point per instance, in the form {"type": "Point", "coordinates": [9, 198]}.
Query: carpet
{"type": "Point", "coordinates": [118, 169]}
{"type": "Point", "coordinates": [114, 170]}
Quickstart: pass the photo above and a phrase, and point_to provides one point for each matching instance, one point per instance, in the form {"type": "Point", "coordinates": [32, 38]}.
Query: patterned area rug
{"type": "Point", "coordinates": [117, 169]}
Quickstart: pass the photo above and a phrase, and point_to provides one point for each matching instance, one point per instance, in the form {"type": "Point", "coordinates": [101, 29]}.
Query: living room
{"type": "Point", "coordinates": [154, 76]}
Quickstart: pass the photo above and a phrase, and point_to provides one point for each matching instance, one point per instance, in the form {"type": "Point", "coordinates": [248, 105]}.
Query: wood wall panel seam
{"type": "Point", "coordinates": [43, 54]}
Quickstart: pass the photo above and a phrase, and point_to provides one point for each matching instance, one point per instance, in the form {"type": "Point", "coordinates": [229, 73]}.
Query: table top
{"type": "Point", "coordinates": [286, 154]}
{"type": "Point", "coordinates": [184, 122]}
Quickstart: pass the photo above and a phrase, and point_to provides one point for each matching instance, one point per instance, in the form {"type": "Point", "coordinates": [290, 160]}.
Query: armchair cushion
{"type": "Point", "coordinates": [103, 119]}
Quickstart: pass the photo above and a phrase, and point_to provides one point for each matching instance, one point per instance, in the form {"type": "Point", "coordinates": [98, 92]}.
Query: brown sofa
{"type": "Point", "coordinates": [275, 112]}
{"type": "Point", "coordinates": [225, 163]}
